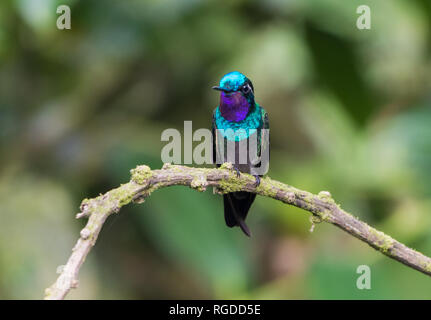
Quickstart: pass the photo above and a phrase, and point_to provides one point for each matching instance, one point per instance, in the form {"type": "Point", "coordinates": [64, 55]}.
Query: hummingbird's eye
{"type": "Point", "coordinates": [245, 89]}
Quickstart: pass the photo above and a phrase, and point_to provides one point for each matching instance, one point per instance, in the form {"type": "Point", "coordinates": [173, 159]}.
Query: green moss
{"type": "Point", "coordinates": [123, 195]}
{"type": "Point", "coordinates": [266, 189]}
{"type": "Point", "coordinates": [141, 174]}
{"type": "Point", "coordinates": [278, 185]}
{"type": "Point", "coordinates": [315, 219]}
{"type": "Point", "coordinates": [231, 185]}
{"type": "Point", "coordinates": [85, 203]}
{"type": "Point", "coordinates": [308, 197]}
{"type": "Point", "coordinates": [176, 169]}
{"type": "Point", "coordinates": [199, 183]}
{"type": "Point", "coordinates": [384, 242]}
{"type": "Point", "coordinates": [226, 165]}
{"type": "Point", "coordinates": [326, 196]}
{"type": "Point", "coordinates": [325, 217]}
{"type": "Point", "coordinates": [427, 267]}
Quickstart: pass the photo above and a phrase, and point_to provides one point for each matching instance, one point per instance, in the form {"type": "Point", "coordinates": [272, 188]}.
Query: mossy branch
{"type": "Point", "coordinates": [144, 181]}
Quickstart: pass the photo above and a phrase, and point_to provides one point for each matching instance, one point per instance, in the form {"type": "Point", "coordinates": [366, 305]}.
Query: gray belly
{"type": "Point", "coordinates": [238, 153]}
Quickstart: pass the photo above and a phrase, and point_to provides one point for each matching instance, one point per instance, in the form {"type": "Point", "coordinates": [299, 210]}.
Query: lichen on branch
{"type": "Point", "coordinates": [144, 181]}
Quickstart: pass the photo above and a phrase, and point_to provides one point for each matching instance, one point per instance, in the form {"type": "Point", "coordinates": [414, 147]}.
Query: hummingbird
{"type": "Point", "coordinates": [239, 111]}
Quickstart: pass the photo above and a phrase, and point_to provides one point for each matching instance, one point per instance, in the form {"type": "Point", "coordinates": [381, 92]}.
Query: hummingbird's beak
{"type": "Point", "coordinates": [218, 88]}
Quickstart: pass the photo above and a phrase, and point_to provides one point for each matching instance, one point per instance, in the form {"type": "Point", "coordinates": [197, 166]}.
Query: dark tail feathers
{"type": "Point", "coordinates": [236, 206]}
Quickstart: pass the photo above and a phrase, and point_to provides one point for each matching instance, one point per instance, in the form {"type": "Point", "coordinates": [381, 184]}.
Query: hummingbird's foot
{"type": "Point", "coordinates": [257, 183]}
{"type": "Point", "coordinates": [238, 173]}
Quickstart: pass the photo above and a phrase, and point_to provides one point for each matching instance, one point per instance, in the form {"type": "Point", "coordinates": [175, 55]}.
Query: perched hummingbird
{"type": "Point", "coordinates": [239, 111]}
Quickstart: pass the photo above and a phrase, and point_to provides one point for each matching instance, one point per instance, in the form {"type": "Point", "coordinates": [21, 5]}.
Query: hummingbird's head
{"type": "Point", "coordinates": [236, 96]}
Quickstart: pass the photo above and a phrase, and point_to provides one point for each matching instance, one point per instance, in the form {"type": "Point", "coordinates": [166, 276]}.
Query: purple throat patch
{"type": "Point", "coordinates": [233, 106]}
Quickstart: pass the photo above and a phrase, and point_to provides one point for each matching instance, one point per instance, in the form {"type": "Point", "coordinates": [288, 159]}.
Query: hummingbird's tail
{"type": "Point", "coordinates": [236, 206]}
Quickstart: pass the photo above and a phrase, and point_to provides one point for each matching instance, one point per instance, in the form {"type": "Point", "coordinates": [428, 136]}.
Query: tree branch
{"type": "Point", "coordinates": [144, 181]}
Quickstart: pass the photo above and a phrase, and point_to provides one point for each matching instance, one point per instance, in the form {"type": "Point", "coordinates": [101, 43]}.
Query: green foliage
{"type": "Point", "coordinates": [349, 113]}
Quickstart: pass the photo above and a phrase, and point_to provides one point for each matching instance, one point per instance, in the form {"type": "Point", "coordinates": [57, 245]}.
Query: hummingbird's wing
{"type": "Point", "coordinates": [265, 132]}
{"type": "Point", "coordinates": [214, 137]}
{"type": "Point", "coordinates": [263, 143]}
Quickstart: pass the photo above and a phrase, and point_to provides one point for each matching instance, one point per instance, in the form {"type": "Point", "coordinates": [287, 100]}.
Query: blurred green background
{"type": "Point", "coordinates": [349, 112]}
